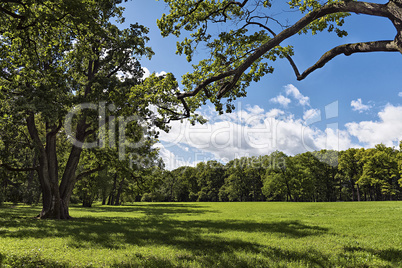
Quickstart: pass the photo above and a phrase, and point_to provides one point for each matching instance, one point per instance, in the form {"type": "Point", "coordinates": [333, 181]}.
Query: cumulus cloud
{"type": "Point", "coordinates": [291, 90]}
{"type": "Point", "coordinates": [254, 132]}
{"type": "Point", "coordinates": [387, 130]}
{"type": "Point", "coordinates": [357, 105]}
{"type": "Point", "coordinates": [312, 115]}
{"type": "Point", "coordinates": [400, 94]}
{"type": "Point", "coordinates": [173, 161]}
{"type": "Point", "coordinates": [255, 109]}
{"type": "Point", "coordinates": [161, 73]}
{"type": "Point", "coordinates": [147, 73]}
{"type": "Point", "coordinates": [273, 113]}
{"type": "Point", "coordinates": [282, 100]}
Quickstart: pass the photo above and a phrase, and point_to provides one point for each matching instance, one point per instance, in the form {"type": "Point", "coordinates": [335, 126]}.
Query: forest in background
{"type": "Point", "coordinates": [321, 176]}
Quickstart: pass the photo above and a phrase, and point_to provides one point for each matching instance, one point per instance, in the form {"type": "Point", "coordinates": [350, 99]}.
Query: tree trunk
{"type": "Point", "coordinates": [358, 192]}
{"type": "Point", "coordinates": [352, 185]}
{"type": "Point", "coordinates": [87, 200]}
{"type": "Point", "coordinates": [119, 191]}
{"type": "Point", "coordinates": [111, 196]}
{"type": "Point", "coordinates": [55, 198]}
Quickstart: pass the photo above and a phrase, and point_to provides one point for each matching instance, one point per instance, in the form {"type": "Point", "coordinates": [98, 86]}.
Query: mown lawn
{"type": "Point", "coordinates": [366, 234]}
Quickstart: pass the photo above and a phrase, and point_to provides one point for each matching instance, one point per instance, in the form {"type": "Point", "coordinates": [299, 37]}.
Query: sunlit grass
{"type": "Point", "coordinates": [366, 234]}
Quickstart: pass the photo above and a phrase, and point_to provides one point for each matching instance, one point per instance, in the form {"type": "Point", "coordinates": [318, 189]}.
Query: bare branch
{"type": "Point", "coordinates": [349, 49]}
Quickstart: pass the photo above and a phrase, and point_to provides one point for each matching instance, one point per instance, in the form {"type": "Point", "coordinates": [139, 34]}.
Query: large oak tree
{"type": "Point", "coordinates": [60, 55]}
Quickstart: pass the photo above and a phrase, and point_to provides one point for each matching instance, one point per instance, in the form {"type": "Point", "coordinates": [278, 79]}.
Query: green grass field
{"type": "Point", "coordinates": [365, 234]}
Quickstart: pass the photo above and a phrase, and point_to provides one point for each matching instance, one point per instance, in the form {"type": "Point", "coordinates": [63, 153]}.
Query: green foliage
{"type": "Point", "coordinates": [277, 184]}
{"type": "Point", "coordinates": [243, 29]}
{"type": "Point", "coordinates": [56, 56]}
{"type": "Point", "coordinates": [331, 22]}
{"type": "Point", "coordinates": [326, 175]}
{"type": "Point", "coordinates": [206, 235]}
{"type": "Point", "coordinates": [380, 171]}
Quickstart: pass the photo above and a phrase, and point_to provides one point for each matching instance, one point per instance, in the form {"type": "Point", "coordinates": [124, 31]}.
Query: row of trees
{"type": "Point", "coordinates": [351, 175]}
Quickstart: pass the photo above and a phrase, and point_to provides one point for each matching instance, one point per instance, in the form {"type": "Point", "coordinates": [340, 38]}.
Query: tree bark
{"type": "Point", "coordinates": [119, 192]}
{"type": "Point", "coordinates": [55, 197]}
{"type": "Point", "coordinates": [352, 185]}
{"type": "Point", "coordinates": [111, 196]}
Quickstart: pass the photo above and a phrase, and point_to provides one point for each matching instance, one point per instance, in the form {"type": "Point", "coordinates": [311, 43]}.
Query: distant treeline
{"type": "Point", "coordinates": [321, 176]}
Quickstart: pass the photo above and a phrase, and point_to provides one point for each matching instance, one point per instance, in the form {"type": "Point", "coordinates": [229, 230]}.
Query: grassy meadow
{"type": "Point", "coordinates": [267, 234]}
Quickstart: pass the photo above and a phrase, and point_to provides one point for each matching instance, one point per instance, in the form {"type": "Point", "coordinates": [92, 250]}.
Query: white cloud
{"type": "Point", "coordinates": [171, 160]}
{"type": "Point", "coordinates": [147, 73]}
{"type": "Point", "coordinates": [255, 109]}
{"type": "Point", "coordinates": [252, 132]}
{"type": "Point", "coordinates": [400, 94]}
{"type": "Point", "coordinates": [388, 130]}
{"type": "Point", "coordinates": [291, 90]}
{"type": "Point", "coordinates": [312, 115]}
{"type": "Point", "coordinates": [274, 113]}
{"type": "Point", "coordinates": [282, 100]}
{"type": "Point", "coordinates": [358, 105]}
{"type": "Point", "coordinates": [161, 73]}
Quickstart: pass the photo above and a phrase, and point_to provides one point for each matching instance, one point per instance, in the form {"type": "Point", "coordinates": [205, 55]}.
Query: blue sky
{"type": "Point", "coordinates": [353, 101]}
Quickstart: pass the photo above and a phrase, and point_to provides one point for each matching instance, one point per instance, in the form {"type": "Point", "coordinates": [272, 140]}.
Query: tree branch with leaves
{"type": "Point", "coordinates": [241, 54]}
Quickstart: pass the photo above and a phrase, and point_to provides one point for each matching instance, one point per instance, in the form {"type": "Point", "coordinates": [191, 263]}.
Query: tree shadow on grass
{"type": "Point", "coordinates": [209, 243]}
{"type": "Point", "coordinates": [390, 254]}
{"type": "Point", "coordinates": [159, 209]}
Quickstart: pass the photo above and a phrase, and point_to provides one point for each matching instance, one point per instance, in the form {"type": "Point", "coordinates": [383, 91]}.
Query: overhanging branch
{"type": "Point", "coordinates": [358, 7]}
{"type": "Point", "coordinates": [349, 49]}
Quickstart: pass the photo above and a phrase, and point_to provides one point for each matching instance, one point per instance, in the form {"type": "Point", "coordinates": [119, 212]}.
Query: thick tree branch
{"type": "Point", "coordinates": [380, 10]}
{"type": "Point", "coordinates": [89, 172]}
{"type": "Point", "coordinates": [33, 132]}
{"type": "Point", "coordinates": [289, 58]}
{"type": "Point", "coordinates": [9, 168]}
{"type": "Point", "coordinates": [11, 14]}
{"type": "Point", "coordinates": [205, 83]}
{"type": "Point", "coordinates": [349, 49]}
{"type": "Point", "coordinates": [55, 129]}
